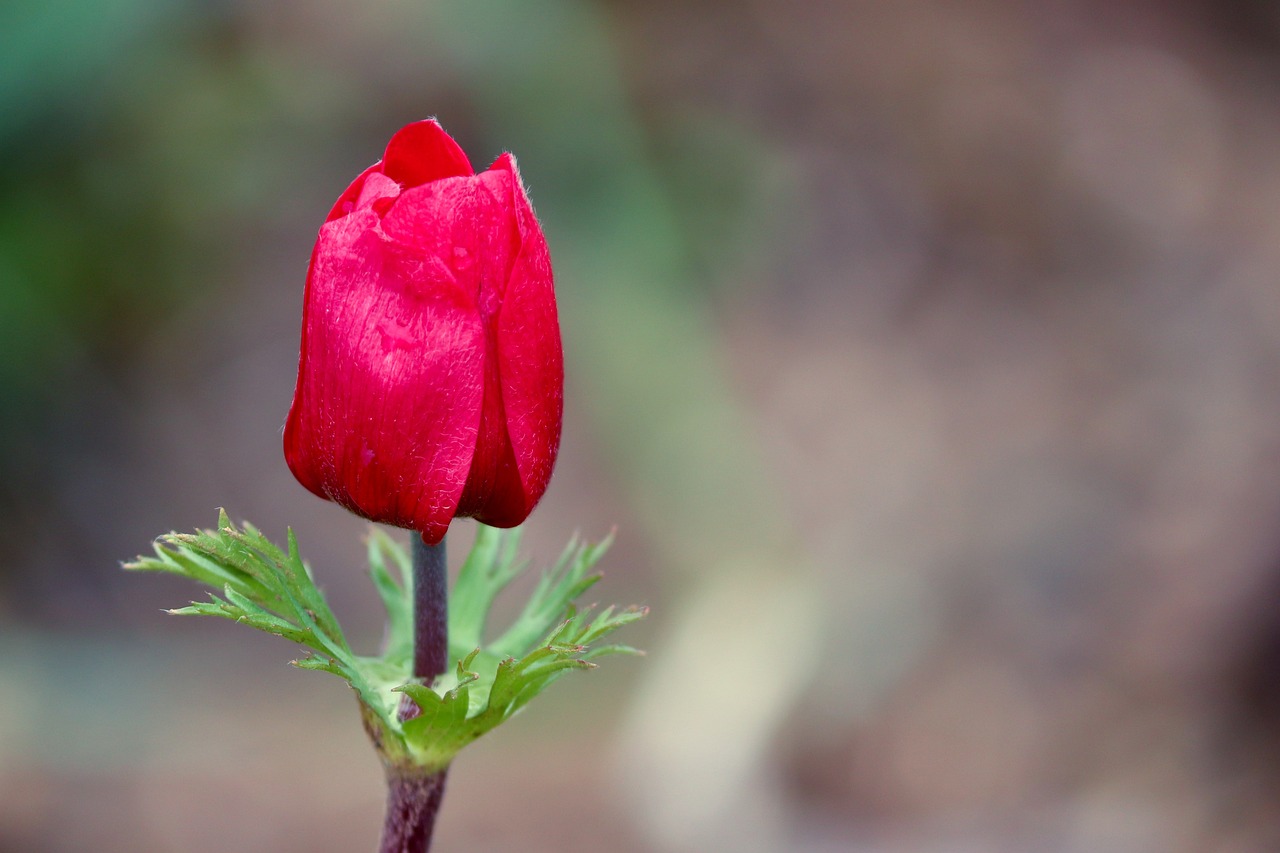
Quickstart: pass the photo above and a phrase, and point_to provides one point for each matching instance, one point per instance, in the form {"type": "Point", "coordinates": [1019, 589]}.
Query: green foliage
{"type": "Point", "coordinates": [271, 589]}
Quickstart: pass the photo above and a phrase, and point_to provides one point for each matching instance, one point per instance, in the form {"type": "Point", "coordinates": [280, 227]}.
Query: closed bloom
{"type": "Point", "coordinates": [430, 383]}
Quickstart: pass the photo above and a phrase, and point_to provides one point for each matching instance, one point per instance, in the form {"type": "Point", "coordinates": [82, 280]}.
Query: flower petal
{"type": "Point", "coordinates": [346, 202]}
{"type": "Point", "coordinates": [530, 359]}
{"type": "Point", "coordinates": [423, 152]}
{"type": "Point", "coordinates": [460, 221]}
{"type": "Point", "coordinates": [390, 381]}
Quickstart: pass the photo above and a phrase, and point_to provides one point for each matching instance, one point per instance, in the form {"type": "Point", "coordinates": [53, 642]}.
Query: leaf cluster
{"type": "Point", "coordinates": [271, 589]}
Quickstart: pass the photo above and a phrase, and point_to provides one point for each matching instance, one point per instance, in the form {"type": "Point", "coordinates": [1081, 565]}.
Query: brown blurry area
{"type": "Point", "coordinates": [990, 288]}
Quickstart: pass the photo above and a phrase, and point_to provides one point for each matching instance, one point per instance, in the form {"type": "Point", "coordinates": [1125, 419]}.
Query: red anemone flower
{"type": "Point", "coordinates": [430, 383]}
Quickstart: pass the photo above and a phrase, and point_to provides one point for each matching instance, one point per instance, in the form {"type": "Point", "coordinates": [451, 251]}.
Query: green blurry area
{"type": "Point", "coordinates": [923, 354]}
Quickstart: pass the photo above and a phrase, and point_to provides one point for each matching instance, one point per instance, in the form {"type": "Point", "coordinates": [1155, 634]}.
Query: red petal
{"type": "Point", "coordinates": [422, 152]}
{"type": "Point", "coordinates": [346, 202]}
{"type": "Point", "coordinates": [465, 224]}
{"type": "Point", "coordinates": [390, 380]}
{"type": "Point", "coordinates": [530, 360]}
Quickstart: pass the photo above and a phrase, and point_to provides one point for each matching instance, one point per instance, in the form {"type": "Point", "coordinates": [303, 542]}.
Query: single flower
{"type": "Point", "coordinates": [430, 382]}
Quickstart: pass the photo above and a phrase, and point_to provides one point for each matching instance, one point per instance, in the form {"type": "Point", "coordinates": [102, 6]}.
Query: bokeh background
{"type": "Point", "coordinates": [925, 355]}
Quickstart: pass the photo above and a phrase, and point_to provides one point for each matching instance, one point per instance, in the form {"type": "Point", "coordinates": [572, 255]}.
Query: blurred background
{"type": "Point", "coordinates": [925, 355]}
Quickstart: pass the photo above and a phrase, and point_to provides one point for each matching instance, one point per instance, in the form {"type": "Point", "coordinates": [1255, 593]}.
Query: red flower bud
{"type": "Point", "coordinates": [430, 383]}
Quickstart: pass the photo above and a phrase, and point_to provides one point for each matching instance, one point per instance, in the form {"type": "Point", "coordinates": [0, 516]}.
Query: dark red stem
{"type": "Point", "coordinates": [413, 800]}
{"type": "Point", "coordinates": [413, 796]}
{"type": "Point", "coordinates": [430, 610]}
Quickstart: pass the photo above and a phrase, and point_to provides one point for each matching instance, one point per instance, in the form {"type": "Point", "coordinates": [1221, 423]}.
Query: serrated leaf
{"type": "Point", "coordinates": [271, 588]}
{"type": "Point", "coordinates": [395, 596]}
{"type": "Point", "coordinates": [490, 566]}
{"type": "Point", "coordinates": [268, 588]}
{"type": "Point", "coordinates": [555, 593]}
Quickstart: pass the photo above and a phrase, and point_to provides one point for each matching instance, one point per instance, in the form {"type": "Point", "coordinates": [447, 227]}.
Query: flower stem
{"type": "Point", "coordinates": [413, 796]}
{"type": "Point", "coordinates": [413, 799]}
{"type": "Point", "coordinates": [430, 610]}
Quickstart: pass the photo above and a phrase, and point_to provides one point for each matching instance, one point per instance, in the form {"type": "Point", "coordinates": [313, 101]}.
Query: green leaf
{"type": "Point", "coordinates": [267, 588]}
{"type": "Point", "coordinates": [397, 597]}
{"type": "Point", "coordinates": [556, 592]}
{"type": "Point", "coordinates": [259, 584]}
{"type": "Point", "coordinates": [488, 569]}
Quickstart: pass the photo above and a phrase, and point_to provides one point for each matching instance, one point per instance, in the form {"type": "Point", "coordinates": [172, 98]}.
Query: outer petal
{"type": "Point", "coordinates": [530, 360]}
{"type": "Point", "coordinates": [346, 202]}
{"type": "Point", "coordinates": [465, 224]}
{"type": "Point", "coordinates": [390, 379]}
{"type": "Point", "coordinates": [470, 223]}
